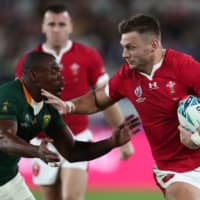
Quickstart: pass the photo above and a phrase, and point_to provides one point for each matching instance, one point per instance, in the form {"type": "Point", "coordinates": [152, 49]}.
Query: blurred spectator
{"type": "Point", "coordinates": [96, 26]}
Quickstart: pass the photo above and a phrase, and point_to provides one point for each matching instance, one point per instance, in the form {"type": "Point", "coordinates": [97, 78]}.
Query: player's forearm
{"type": "Point", "coordinates": [88, 151]}
{"type": "Point", "coordinates": [16, 146]}
{"type": "Point", "coordinates": [113, 115]}
{"type": "Point", "coordinates": [86, 104]}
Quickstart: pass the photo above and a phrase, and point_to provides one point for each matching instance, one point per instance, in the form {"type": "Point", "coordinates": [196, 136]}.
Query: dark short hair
{"type": "Point", "coordinates": [140, 23]}
{"type": "Point", "coordinates": [35, 60]}
{"type": "Point", "coordinates": [56, 8]}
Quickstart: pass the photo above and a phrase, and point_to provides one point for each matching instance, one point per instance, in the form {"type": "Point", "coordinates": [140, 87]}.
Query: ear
{"type": "Point", "coordinates": [71, 28]}
{"type": "Point", "coordinates": [32, 75]}
{"type": "Point", "coordinates": [154, 45]}
{"type": "Point", "coordinates": [43, 29]}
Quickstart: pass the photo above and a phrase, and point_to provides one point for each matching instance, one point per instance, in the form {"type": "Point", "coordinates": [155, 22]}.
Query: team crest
{"type": "Point", "coordinates": [138, 93]}
{"type": "Point", "coordinates": [171, 86]}
{"type": "Point", "coordinates": [75, 68]}
{"type": "Point", "coordinates": [46, 120]}
{"type": "Point", "coordinates": [5, 107]}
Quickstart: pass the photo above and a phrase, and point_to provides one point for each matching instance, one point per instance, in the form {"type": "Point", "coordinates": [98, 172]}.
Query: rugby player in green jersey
{"type": "Point", "coordinates": [23, 114]}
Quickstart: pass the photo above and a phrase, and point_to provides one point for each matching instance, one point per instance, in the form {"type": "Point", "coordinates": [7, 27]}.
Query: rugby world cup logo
{"type": "Point", "coordinates": [138, 94]}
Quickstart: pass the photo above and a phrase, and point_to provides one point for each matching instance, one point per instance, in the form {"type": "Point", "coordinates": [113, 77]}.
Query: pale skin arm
{"type": "Point", "coordinates": [89, 103]}
{"type": "Point", "coordinates": [114, 117]}
{"type": "Point", "coordinates": [11, 144]}
{"type": "Point", "coordinates": [185, 137]}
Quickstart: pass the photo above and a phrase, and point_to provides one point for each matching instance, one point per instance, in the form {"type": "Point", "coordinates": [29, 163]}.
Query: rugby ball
{"type": "Point", "coordinates": [189, 112]}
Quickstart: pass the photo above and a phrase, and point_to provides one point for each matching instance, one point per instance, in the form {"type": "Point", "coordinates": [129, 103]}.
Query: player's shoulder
{"type": "Point", "coordinates": [84, 49]}
{"type": "Point", "coordinates": [178, 56]}
{"type": "Point", "coordinates": [125, 71]}
{"type": "Point", "coordinates": [38, 48]}
{"type": "Point", "coordinates": [11, 90]}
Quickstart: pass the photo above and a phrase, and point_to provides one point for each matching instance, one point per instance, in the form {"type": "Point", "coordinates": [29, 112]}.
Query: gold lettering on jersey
{"type": "Point", "coordinates": [46, 120]}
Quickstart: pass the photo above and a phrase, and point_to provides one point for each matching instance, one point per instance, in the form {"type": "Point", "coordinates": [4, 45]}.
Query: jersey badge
{"type": "Point", "coordinates": [46, 120]}
{"type": "Point", "coordinates": [75, 69]}
{"type": "Point", "coordinates": [5, 106]}
{"type": "Point", "coordinates": [27, 121]}
{"type": "Point", "coordinates": [170, 85]}
{"type": "Point", "coordinates": [138, 94]}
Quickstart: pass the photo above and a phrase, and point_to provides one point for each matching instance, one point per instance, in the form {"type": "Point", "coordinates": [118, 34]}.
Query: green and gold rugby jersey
{"type": "Point", "coordinates": [15, 104]}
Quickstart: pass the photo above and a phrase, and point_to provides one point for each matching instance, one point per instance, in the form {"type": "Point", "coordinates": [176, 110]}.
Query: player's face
{"type": "Point", "coordinates": [57, 28]}
{"type": "Point", "coordinates": [137, 50]}
{"type": "Point", "coordinates": [50, 77]}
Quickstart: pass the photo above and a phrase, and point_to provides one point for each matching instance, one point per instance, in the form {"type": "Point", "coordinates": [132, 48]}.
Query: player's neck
{"type": "Point", "coordinates": [158, 58]}
{"type": "Point", "coordinates": [34, 92]}
{"type": "Point", "coordinates": [56, 48]}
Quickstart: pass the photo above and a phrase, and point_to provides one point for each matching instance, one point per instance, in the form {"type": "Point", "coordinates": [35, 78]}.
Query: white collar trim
{"type": "Point", "coordinates": [37, 106]}
{"type": "Point", "coordinates": [62, 51]}
{"type": "Point", "coordinates": [154, 69]}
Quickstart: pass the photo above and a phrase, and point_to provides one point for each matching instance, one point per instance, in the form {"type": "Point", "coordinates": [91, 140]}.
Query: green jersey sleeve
{"type": "Point", "coordinates": [7, 109]}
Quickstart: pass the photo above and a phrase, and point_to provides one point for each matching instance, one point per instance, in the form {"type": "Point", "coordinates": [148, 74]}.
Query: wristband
{"type": "Point", "coordinates": [54, 164]}
{"type": "Point", "coordinates": [195, 137]}
{"type": "Point", "coordinates": [70, 105]}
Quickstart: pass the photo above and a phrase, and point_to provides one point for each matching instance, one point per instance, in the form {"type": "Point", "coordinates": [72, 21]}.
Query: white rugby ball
{"type": "Point", "coordinates": [189, 112]}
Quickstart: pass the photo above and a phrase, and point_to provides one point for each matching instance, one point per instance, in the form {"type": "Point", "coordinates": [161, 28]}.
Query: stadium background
{"type": "Point", "coordinates": [96, 25]}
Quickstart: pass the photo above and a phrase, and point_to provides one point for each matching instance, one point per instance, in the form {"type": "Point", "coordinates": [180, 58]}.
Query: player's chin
{"type": "Point", "coordinates": [132, 66]}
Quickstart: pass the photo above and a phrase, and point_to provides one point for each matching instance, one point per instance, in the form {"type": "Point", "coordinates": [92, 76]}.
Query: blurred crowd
{"type": "Point", "coordinates": [95, 24]}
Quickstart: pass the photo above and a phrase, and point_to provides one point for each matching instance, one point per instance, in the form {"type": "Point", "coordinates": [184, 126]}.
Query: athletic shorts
{"type": "Point", "coordinates": [16, 189]}
{"type": "Point", "coordinates": [165, 178]}
{"type": "Point", "coordinates": [44, 174]}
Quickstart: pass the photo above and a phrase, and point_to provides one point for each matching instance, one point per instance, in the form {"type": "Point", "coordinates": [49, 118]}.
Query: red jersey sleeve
{"type": "Point", "coordinates": [189, 74]}
{"type": "Point", "coordinates": [18, 70]}
{"type": "Point", "coordinates": [116, 84]}
{"type": "Point", "coordinates": [95, 67]}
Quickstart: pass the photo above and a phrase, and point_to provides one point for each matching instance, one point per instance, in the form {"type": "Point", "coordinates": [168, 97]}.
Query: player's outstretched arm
{"type": "Point", "coordinates": [12, 144]}
{"type": "Point", "coordinates": [91, 102]}
{"type": "Point", "coordinates": [74, 150]}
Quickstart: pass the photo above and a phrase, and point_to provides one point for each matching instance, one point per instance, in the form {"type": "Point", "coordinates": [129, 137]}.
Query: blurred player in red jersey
{"type": "Point", "coordinates": [154, 79]}
{"type": "Point", "coordinates": [82, 68]}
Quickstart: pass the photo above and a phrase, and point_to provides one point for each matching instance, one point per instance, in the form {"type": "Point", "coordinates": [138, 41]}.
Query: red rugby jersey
{"type": "Point", "coordinates": [156, 99]}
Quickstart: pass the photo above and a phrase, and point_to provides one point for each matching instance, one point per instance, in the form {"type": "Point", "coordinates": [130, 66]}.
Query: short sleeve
{"type": "Point", "coordinates": [115, 86]}
{"type": "Point", "coordinates": [96, 67]}
{"type": "Point", "coordinates": [8, 109]}
{"type": "Point", "coordinates": [189, 73]}
{"type": "Point", "coordinates": [19, 66]}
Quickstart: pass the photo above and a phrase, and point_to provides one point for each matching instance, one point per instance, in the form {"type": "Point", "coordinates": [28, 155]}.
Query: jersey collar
{"type": "Point", "coordinates": [37, 106]}
{"type": "Point", "coordinates": [58, 57]}
{"type": "Point", "coordinates": [154, 68]}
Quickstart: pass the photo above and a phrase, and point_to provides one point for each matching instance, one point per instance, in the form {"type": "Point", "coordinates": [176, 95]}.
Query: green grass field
{"type": "Point", "coordinates": [98, 195]}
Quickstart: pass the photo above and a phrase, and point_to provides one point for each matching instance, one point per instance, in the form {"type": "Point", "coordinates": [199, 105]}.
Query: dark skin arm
{"type": "Point", "coordinates": [74, 150]}
{"type": "Point", "coordinates": [12, 144]}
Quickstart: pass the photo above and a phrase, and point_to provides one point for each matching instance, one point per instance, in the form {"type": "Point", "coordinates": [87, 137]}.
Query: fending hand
{"type": "Point", "coordinates": [123, 133]}
{"type": "Point", "coordinates": [58, 103]}
{"type": "Point", "coordinates": [45, 154]}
